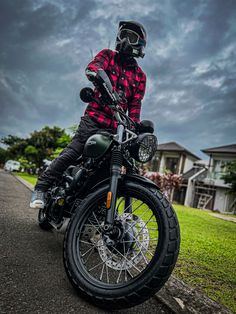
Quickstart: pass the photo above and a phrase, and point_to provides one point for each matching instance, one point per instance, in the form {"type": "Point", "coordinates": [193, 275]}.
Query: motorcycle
{"type": "Point", "coordinates": [122, 235]}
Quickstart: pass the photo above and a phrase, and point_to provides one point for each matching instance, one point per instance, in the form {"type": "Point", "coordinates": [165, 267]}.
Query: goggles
{"type": "Point", "coordinates": [133, 37]}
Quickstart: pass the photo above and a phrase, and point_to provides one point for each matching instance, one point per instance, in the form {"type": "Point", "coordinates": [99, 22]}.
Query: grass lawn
{"type": "Point", "coordinates": [28, 177]}
{"type": "Point", "coordinates": [207, 258]}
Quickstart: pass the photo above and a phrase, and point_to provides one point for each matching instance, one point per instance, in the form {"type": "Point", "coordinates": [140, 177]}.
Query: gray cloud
{"type": "Point", "coordinates": [190, 64]}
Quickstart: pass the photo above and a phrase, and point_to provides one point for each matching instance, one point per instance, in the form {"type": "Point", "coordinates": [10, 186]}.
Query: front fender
{"type": "Point", "coordinates": [126, 178]}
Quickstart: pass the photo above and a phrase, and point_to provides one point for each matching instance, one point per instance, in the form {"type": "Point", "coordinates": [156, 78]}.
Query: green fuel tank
{"type": "Point", "coordinates": [97, 145]}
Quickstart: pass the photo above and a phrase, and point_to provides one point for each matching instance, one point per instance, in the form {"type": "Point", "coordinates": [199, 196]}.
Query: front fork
{"type": "Point", "coordinates": [112, 194]}
{"type": "Point", "coordinates": [116, 164]}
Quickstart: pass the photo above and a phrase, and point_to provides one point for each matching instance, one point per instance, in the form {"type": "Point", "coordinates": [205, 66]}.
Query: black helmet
{"type": "Point", "coordinates": [131, 39]}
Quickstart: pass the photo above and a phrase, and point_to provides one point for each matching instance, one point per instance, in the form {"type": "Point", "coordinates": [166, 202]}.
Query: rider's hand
{"type": "Point", "coordinates": [91, 75]}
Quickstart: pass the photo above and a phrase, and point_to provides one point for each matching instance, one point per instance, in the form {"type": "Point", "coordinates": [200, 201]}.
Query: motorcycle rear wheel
{"type": "Point", "coordinates": [43, 220]}
{"type": "Point", "coordinates": [129, 272]}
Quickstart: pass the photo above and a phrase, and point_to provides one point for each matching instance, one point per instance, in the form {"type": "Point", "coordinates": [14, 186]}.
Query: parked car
{"type": "Point", "coordinates": [12, 165]}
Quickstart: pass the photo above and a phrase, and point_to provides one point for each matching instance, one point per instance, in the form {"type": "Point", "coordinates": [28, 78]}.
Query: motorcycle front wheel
{"type": "Point", "coordinates": [124, 270]}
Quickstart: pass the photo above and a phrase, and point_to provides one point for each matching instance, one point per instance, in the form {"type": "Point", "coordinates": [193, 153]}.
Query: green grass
{"type": "Point", "coordinates": [207, 257]}
{"type": "Point", "coordinates": [28, 177]}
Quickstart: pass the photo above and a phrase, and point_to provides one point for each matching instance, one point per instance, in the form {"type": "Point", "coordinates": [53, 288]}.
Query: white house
{"type": "Point", "coordinates": [205, 187]}
{"type": "Point", "coordinates": [173, 157]}
{"type": "Point", "coordinates": [202, 185]}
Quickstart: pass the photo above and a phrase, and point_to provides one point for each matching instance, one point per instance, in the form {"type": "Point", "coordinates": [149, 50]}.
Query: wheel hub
{"type": "Point", "coordinates": [132, 246]}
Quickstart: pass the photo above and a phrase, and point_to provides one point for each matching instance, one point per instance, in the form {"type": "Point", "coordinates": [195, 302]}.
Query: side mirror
{"type": "Point", "coordinates": [87, 94]}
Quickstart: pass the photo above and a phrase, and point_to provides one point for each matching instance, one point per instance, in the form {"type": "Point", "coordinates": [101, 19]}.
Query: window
{"type": "Point", "coordinates": [171, 164]}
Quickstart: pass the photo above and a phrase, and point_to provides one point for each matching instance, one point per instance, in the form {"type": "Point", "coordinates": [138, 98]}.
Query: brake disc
{"type": "Point", "coordinates": [139, 231]}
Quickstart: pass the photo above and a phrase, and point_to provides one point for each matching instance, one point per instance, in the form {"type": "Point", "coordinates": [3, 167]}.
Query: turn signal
{"type": "Point", "coordinates": [109, 198]}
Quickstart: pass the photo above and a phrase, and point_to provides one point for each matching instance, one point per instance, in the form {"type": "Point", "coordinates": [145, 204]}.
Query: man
{"type": "Point", "coordinates": [128, 81]}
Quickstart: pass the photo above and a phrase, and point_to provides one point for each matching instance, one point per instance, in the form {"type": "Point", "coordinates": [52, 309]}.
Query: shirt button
{"type": "Point", "coordinates": [124, 70]}
{"type": "Point", "coordinates": [122, 78]}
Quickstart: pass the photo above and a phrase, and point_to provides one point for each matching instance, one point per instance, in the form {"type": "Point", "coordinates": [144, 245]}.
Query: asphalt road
{"type": "Point", "coordinates": [32, 276]}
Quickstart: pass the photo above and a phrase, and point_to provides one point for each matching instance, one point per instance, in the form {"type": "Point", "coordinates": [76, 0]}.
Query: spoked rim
{"type": "Point", "coordinates": [132, 252]}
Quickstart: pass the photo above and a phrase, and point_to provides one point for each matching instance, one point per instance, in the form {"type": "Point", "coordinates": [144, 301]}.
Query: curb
{"type": "Point", "coordinates": [232, 219]}
{"type": "Point", "coordinates": [182, 299]}
{"type": "Point", "coordinates": [27, 184]}
{"type": "Point", "coordinates": [177, 295]}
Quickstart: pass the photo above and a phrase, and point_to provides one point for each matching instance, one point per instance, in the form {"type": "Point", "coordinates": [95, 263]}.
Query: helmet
{"type": "Point", "coordinates": [131, 39]}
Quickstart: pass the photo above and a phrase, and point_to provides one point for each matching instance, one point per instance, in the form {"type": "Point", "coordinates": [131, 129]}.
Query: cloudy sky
{"type": "Point", "coordinates": [190, 64]}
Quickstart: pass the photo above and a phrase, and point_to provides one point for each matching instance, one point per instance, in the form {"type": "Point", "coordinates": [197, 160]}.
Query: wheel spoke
{"type": "Point", "coordinates": [107, 273]}
{"type": "Point", "coordinates": [131, 252]}
{"type": "Point", "coordinates": [103, 262]}
{"type": "Point", "coordinates": [103, 266]}
{"type": "Point", "coordinates": [129, 261]}
{"type": "Point", "coordinates": [139, 218]}
{"type": "Point", "coordinates": [142, 246]}
{"type": "Point", "coordinates": [88, 251]}
{"type": "Point", "coordinates": [89, 255]}
{"type": "Point", "coordinates": [137, 208]}
{"type": "Point", "coordinates": [117, 281]}
{"type": "Point", "coordinates": [125, 209]}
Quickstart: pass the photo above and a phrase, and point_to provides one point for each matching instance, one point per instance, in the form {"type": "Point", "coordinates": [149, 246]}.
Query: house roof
{"type": "Point", "coordinates": [193, 171]}
{"type": "Point", "coordinates": [175, 147]}
{"type": "Point", "coordinates": [227, 149]}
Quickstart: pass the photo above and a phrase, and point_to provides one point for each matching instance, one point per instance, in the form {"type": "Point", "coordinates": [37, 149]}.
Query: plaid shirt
{"type": "Point", "coordinates": [128, 81]}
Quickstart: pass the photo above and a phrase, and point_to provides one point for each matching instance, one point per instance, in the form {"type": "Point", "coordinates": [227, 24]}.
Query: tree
{"type": "Point", "coordinates": [31, 153]}
{"type": "Point", "coordinates": [38, 146]}
{"type": "Point", "coordinates": [73, 128]}
{"type": "Point", "coordinates": [64, 140]}
{"type": "Point", "coordinates": [55, 153]}
{"type": "Point", "coordinates": [11, 140]}
{"type": "Point", "coordinates": [25, 163]}
{"type": "Point", "coordinates": [3, 155]}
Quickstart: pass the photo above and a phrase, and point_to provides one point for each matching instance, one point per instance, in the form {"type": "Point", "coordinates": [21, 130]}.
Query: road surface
{"type": "Point", "coordinates": [32, 276]}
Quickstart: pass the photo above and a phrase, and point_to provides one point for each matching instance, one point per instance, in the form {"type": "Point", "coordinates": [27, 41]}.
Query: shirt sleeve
{"type": "Point", "coordinates": [100, 61]}
{"type": "Point", "coordinates": [136, 103]}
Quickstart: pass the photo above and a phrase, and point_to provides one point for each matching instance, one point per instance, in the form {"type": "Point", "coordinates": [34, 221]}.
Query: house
{"type": "Point", "coordinates": [205, 186]}
{"type": "Point", "coordinates": [202, 185]}
{"type": "Point", "coordinates": [177, 159]}
{"type": "Point", "coordinates": [173, 157]}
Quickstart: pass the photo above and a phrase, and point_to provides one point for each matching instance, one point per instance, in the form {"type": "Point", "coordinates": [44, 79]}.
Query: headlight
{"type": "Point", "coordinates": [144, 147]}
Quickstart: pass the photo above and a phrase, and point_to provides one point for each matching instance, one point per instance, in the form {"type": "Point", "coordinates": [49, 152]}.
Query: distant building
{"type": "Point", "coordinates": [173, 157]}
{"type": "Point", "coordinates": [202, 185]}
{"type": "Point", "coordinates": [206, 188]}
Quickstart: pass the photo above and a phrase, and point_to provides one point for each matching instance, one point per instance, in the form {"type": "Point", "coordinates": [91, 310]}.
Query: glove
{"type": "Point", "coordinates": [91, 75]}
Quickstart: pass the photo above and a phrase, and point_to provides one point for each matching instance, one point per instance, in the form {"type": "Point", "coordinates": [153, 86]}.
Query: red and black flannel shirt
{"type": "Point", "coordinates": [128, 81]}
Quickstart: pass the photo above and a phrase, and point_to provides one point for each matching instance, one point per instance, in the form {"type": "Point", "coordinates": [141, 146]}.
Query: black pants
{"type": "Point", "coordinates": [69, 155]}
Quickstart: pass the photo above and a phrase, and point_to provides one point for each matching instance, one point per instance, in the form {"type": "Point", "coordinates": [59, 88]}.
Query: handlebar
{"type": "Point", "coordinates": [109, 97]}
